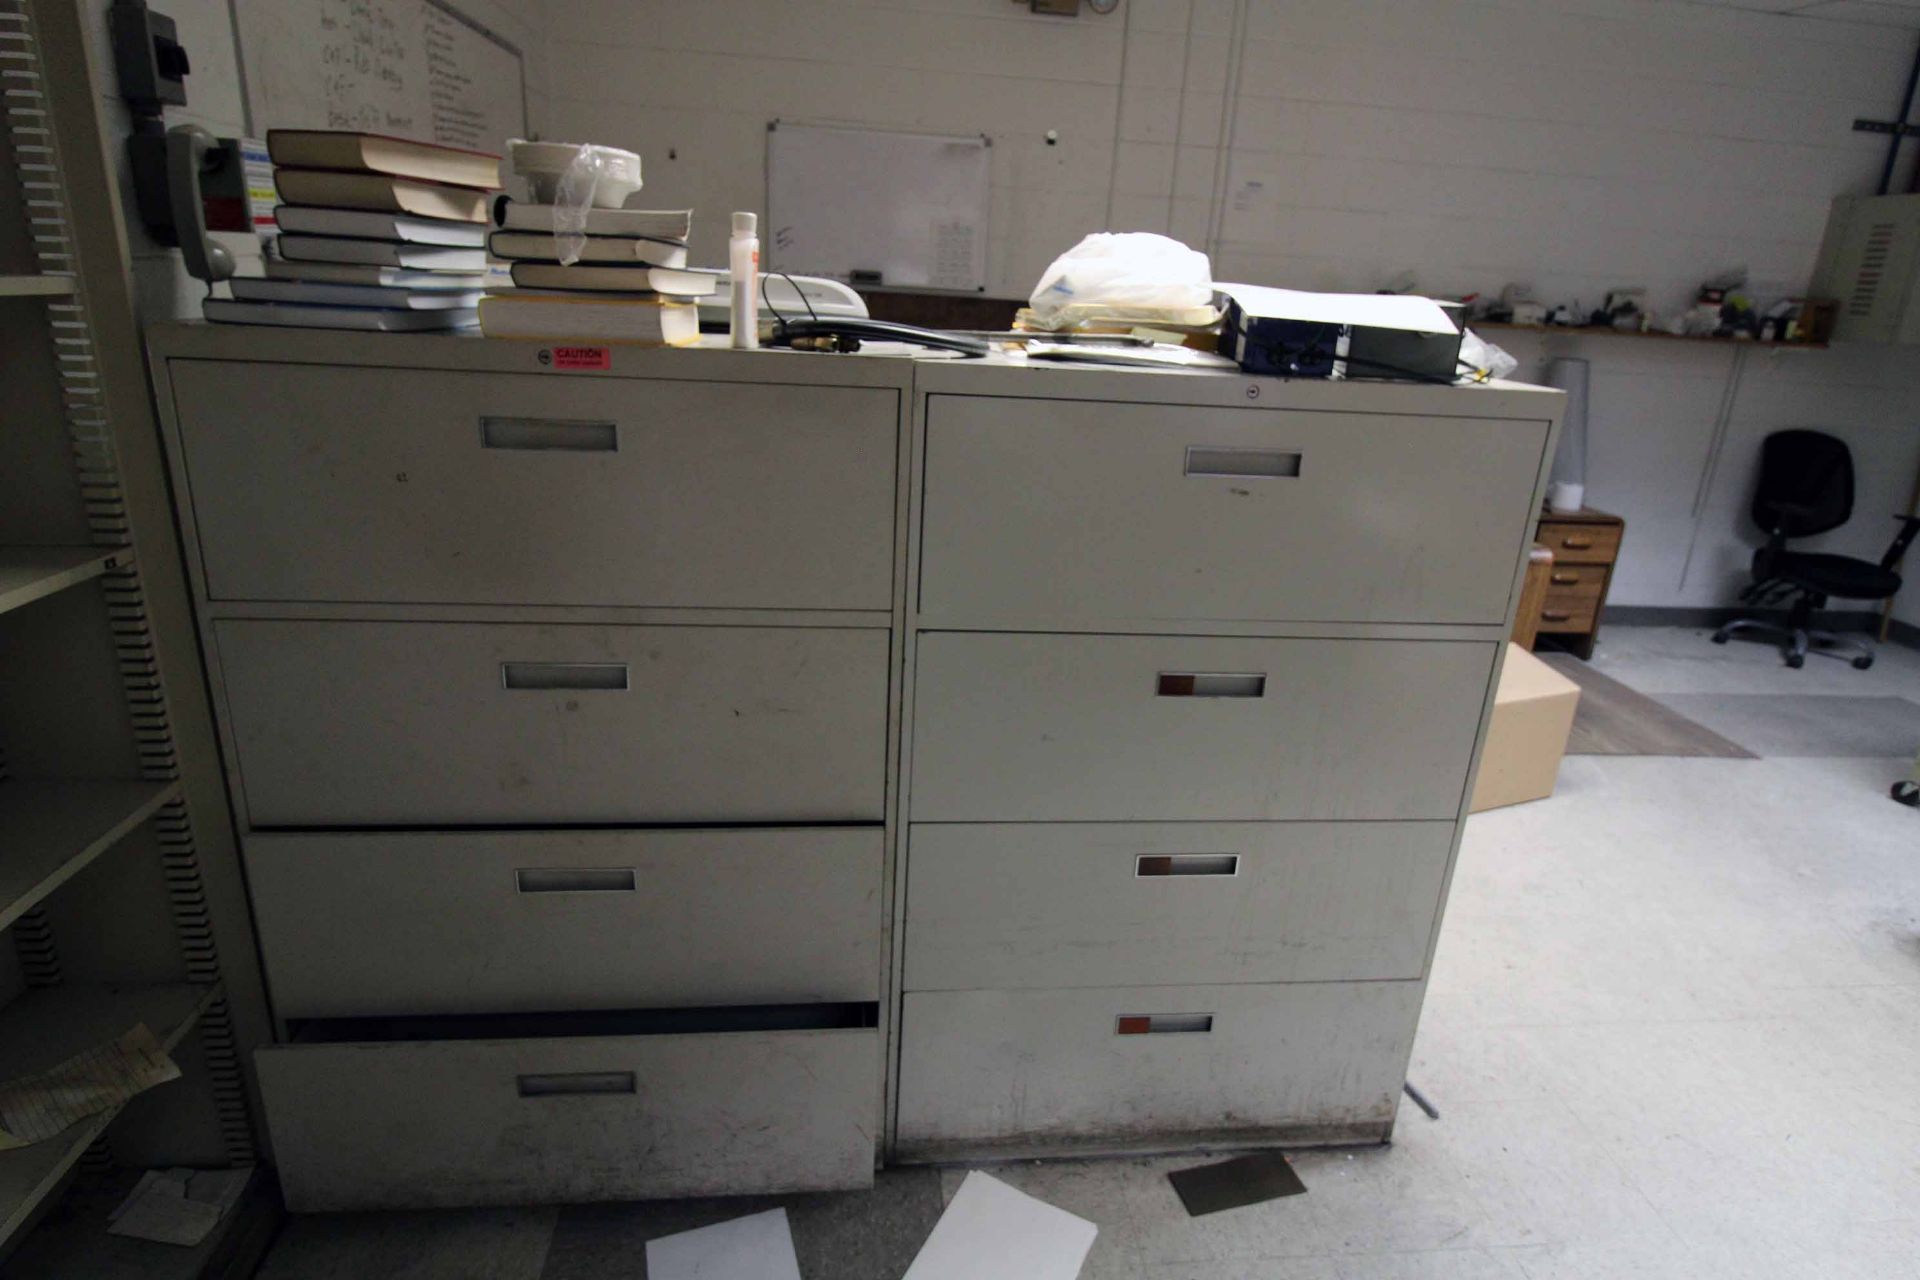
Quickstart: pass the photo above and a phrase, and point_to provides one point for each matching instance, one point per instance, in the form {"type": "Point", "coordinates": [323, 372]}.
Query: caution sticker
{"type": "Point", "coordinates": [578, 357]}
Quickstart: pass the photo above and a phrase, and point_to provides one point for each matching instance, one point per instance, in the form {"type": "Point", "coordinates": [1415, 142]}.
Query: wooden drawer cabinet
{"type": "Point", "coordinates": [1585, 546]}
{"type": "Point", "coordinates": [1591, 538]}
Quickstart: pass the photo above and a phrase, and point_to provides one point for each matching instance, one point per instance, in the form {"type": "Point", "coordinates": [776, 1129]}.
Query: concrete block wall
{"type": "Point", "coordinates": [1577, 145]}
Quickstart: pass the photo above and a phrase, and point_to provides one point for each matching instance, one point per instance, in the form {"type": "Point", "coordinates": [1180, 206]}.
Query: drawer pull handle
{"type": "Point", "coordinates": [1245, 464]}
{"type": "Point", "coordinates": [549, 435]}
{"type": "Point", "coordinates": [1154, 865]}
{"type": "Point", "coordinates": [1210, 684]}
{"type": "Point", "coordinates": [1161, 1024]}
{"type": "Point", "coordinates": [562, 1084]}
{"type": "Point", "coordinates": [1554, 615]}
{"type": "Point", "coordinates": [574, 879]}
{"type": "Point", "coordinates": [563, 675]}
{"type": "Point", "coordinates": [1565, 579]}
{"type": "Point", "coordinates": [1576, 544]}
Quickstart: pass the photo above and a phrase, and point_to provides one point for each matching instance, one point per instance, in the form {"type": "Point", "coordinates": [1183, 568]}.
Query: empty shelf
{"type": "Point", "coordinates": [28, 573]}
{"type": "Point", "coordinates": [48, 1025]}
{"type": "Point", "coordinates": [35, 286]}
{"type": "Point", "coordinates": [49, 831]}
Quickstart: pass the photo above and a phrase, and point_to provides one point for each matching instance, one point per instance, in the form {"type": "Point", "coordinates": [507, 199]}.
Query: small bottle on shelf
{"type": "Point", "coordinates": [743, 269]}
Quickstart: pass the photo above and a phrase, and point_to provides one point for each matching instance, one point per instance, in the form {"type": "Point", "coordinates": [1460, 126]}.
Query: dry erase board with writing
{"type": "Point", "coordinates": [853, 204]}
{"type": "Point", "coordinates": [413, 68]}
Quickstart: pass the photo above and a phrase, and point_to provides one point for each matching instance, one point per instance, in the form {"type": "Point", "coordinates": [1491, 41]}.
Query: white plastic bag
{"type": "Point", "coordinates": [1485, 359]}
{"type": "Point", "coordinates": [1125, 271]}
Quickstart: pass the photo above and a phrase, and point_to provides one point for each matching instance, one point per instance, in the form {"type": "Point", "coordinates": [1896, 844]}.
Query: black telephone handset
{"type": "Point", "coordinates": [192, 152]}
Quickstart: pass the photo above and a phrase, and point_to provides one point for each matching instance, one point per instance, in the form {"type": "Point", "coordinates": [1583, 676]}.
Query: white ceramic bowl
{"type": "Point", "coordinates": [543, 163]}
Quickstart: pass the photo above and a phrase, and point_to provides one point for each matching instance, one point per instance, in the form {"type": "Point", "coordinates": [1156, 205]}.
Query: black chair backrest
{"type": "Point", "coordinates": [1806, 484]}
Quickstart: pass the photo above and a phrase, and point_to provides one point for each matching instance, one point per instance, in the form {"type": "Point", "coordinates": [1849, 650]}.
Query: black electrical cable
{"type": "Point", "coordinates": [887, 331]}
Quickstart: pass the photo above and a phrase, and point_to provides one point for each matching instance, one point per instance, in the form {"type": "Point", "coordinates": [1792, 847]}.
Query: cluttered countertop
{"type": "Point", "coordinates": [382, 248]}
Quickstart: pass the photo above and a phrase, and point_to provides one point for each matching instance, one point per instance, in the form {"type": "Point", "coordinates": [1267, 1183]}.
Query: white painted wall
{"type": "Point", "coordinates": [1578, 145]}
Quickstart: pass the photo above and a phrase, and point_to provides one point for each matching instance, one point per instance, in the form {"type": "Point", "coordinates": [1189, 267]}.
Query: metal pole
{"type": "Point", "coordinates": [1906, 106]}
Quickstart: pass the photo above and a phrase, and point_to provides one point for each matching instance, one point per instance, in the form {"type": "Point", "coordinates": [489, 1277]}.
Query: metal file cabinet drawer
{"type": "Point", "coordinates": [1061, 728]}
{"type": "Point", "coordinates": [1105, 904]}
{"type": "Point", "coordinates": [356, 485]}
{"type": "Point", "coordinates": [452, 724]}
{"type": "Point", "coordinates": [1029, 1072]}
{"type": "Point", "coordinates": [1079, 509]}
{"type": "Point", "coordinates": [441, 1123]}
{"type": "Point", "coordinates": [419, 922]}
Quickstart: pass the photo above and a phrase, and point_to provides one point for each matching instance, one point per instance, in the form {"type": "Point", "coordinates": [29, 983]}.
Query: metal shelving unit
{"type": "Point", "coordinates": [119, 883]}
{"type": "Point", "coordinates": [44, 1027]}
{"type": "Point", "coordinates": [53, 830]}
{"type": "Point", "coordinates": [31, 285]}
{"type": "Point", "coordinates": [30, 573]}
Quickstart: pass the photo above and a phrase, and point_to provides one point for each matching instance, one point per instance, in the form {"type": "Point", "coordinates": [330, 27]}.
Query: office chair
{"type": "Point", "coordinates": [1806, 488]}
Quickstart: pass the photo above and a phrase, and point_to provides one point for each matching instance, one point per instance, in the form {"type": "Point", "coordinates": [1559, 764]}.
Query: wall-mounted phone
{"type": "Point", "coordinates": [182, 175]}
{"type": "Point", "coordinates": [194, 155]}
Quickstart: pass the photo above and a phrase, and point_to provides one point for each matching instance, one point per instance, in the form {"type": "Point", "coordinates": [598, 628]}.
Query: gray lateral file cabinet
{"type": "Point", "coordinates": [722, 771]}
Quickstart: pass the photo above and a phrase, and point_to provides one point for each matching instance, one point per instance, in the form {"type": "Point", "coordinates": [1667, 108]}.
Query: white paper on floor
{"type": "Point", "coordinates": [993, 1232]}
{"type": "Point", "coordinates": [759, 1247]}
{"type": "Point", "coordinates": [178, 1206]}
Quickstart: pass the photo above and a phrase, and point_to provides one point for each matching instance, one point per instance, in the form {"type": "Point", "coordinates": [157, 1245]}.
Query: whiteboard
{"type": "Point", "coordinates": [910, 206]}
{"type": "Point", "coordinates": [412, 68]}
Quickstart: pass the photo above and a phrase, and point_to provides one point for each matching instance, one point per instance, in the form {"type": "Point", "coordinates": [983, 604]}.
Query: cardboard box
{"type": "Point", "coordinates": [1532, 716]}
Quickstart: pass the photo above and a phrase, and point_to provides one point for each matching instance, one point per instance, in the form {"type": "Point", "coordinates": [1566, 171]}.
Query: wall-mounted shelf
{"type": "Point", "coordinates": [29, 573]}
{"type": "Point", "coordinates": [52, 830]}
{"type": "Point", "coordinates": [51, 1024]}
{"type": "Point", "coordinates": [35, 286]}
{"type": "Point", "coordinates": [1596, 331]}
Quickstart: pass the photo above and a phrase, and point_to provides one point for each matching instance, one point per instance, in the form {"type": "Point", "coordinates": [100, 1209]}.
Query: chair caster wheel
{"type": "Point", "coordinates": [1719, 637]}
{"type": "Point", "coordinates": [1907, 793]}
{"type": "Point", "coordinates": [1796, 660]}
{"type": "Point", "coordinates": [1863, 662]}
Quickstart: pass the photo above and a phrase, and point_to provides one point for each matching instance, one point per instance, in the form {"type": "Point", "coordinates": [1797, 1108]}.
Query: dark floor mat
{"type": "Point", "coordinates": [1614, 720]}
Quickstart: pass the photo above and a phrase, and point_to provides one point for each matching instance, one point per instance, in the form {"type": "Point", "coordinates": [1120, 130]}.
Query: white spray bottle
{"type": "Point", "coordinates": [743, 269]}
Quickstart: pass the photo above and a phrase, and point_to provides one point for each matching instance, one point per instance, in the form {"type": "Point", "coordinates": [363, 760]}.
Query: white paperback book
{"type": "Point", "coordinates": [320, 293]}
{"type": "Point", "coordinates": [630, 251]}
{"type": "Point", "coordinates": [369, 224]}
{"type": "Point", "coordinates": [385, 277]}
{"type": "Point", "coordinates": [654, 224]}
{"type": "Point", "coordinates": [302, 316]}
{"type": "Point", "coordinates": [380, 253]}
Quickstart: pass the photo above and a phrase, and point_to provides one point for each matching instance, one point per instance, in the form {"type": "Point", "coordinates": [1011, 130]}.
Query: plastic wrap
{"type": "Point", "coordinates": [572, 199]}
{"type": "Point", "coordinates": [1136, 274]}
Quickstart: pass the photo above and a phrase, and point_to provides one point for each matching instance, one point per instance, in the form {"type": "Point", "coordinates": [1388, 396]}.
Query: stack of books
{"type": "Point", "coordinates": [630, 283]}
{"type": "Point", "coordinates": [376, 233]}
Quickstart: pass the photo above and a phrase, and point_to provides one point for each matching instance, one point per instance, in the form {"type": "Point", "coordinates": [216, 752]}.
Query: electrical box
{"type": "Point", "coordinates": [147, 51]}
{"type": "Point", "coordinates": [1870, 264]}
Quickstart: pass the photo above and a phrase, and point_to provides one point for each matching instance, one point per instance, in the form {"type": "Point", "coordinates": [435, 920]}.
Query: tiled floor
{"type": "Point", "coordinates": [1673, 1032]}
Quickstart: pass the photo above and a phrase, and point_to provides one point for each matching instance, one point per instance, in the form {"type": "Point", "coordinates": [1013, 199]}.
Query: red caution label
{"type": "Point", "coordinates": [581, 357]}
